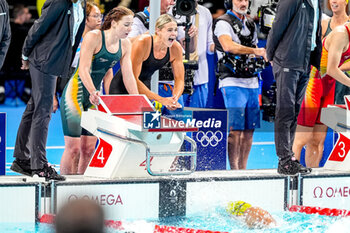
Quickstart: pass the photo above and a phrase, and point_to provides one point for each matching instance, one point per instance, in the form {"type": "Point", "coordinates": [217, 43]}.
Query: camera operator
{"type": "Point", "coordinates": [202, 19]}
{"type": "Point", "coordinates": [235, 34]}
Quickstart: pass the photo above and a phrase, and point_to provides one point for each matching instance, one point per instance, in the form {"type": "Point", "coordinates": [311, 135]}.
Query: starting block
{"type": "Point", "coordinates": [125, 148]}
{"type": "Point", "coordinates": [337, 117]}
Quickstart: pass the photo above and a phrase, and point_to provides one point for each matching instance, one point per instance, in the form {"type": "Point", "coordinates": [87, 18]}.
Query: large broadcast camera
{"type": "Point", "coordinates": [183, 8]}
{"type": "Point", "coordinates": [190, 66]}
{"type": "Point", "coordinates": [243, 66]}
{"type": "Point", "coordinates": [266, 15]}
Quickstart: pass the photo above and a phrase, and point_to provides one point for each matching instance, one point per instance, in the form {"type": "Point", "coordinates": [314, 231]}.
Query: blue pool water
{"type": "Point", "coordinates": [25, 228]}
{"type": "Point", "coordinates": [286, 222]}
{"type": "Point", "coordinates": [218, 220]}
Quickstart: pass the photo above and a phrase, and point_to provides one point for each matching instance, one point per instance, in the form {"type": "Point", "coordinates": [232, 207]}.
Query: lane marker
{"type": "Point", "coordinates": [118, 225]}
{"type": "Point", "coordinates": [319, 210]}
{"type": "Point", "coordinates": [48, 147]}
{"type": "Point", "coordinates": [263, 143]}
{"type": "Point", "coordinates": [62, 147]}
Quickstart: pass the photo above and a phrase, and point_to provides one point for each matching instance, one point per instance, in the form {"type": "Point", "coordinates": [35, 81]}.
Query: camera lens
{"type": "Point", "coordinates": [186, 7]}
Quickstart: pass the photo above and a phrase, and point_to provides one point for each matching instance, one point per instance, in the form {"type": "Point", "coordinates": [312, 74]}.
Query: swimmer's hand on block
{"type": "Point", "coordinates": [170, 103]}
{"type": "Point", "coordinates": [174, 106]}
{"type": "Point", "coordinates": [254, 217]}
{"type": "Point", "coordinates": [95, 97]}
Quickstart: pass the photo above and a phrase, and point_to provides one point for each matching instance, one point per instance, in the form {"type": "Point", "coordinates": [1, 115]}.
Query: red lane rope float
{"type": "Point", "coordinates": [319, 210]}
{"type": "Point", "coordinates": [47, 218]}
{"type": "Point", "coordinates": [118, 225]}
{"type": "Point", "coordinates": [170, 229]}
{"type": "Point", "coordinates": [50, 218]}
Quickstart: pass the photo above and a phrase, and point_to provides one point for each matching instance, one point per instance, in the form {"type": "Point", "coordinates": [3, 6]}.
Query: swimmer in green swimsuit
{"type": "Point", "coordinates": [100, 51]}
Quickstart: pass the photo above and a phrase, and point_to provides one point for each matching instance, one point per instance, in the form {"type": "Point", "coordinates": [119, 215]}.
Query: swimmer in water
{"type": "Point", "coordinates": [253, 216]}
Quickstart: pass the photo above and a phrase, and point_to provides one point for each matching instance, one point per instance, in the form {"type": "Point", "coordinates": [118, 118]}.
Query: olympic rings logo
{"type": "Point", "coordinates": [209, 138]}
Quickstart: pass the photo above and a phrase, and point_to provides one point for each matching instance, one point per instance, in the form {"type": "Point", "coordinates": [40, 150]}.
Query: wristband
{"type": "Point", "coordinates": [24, 58]}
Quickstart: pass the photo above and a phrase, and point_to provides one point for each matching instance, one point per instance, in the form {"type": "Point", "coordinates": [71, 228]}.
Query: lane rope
{"type": "Point", "coordinates": [118, 225]}
{"type": "Point", "coordinates": [319, 210]}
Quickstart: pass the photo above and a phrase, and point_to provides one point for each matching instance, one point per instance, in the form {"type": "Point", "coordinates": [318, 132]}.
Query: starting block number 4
{"type": "Point", "coordinates": [101, 155]}
{"type": "Point", "coordinates": [143, 164]}
{"type": "Point", "coordinates": [341, 149]}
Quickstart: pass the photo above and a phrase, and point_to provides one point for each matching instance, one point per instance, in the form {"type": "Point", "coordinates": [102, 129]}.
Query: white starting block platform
{"type": "Point", "coordinates": [26, 200]}
{"type": "Point", "coordinates": [126, 147]}
{"type": "Point", "coordinates": [337, 117]}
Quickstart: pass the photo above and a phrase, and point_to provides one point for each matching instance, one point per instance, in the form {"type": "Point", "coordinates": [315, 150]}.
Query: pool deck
{"type": "Point", "coordinates": [199, 175]}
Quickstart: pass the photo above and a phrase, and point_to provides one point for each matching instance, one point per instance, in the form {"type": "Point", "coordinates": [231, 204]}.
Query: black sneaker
{"type": "Point", "coordinates": [22, 167]}
{"type": "Point", "coordinates": [49, 173]}
{"type": "Point", "coordinates": [292, 167]}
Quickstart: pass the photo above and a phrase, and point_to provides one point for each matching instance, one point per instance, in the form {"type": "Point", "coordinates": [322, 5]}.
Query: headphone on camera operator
{"type": "Point", "coordinates": [228, 5]}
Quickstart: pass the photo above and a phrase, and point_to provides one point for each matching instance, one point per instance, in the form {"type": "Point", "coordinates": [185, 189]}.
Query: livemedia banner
{"type": "Point", "coordinates": [2, 143]}
{"type": "Point", "coordinates": [211, 139]}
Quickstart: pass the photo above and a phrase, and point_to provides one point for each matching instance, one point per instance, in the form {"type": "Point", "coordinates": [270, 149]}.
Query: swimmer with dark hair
{"type": "Point", "coordinates": [80, 216]}
{"type": "Point", "coordinates": [254, 217]}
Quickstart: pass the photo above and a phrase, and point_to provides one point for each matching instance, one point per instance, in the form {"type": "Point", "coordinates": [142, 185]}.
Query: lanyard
{"type": "Point", "coordinates": [146, 11]}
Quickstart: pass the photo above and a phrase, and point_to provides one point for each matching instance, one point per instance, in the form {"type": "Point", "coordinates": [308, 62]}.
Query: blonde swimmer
{"type": "Point", "coordinates": [149, 54]}
{"type": "Point", "coordinates": [254, 217]}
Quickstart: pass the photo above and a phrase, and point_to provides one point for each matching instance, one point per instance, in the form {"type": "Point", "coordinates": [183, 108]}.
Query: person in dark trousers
{"type": "Point", "coordinates": [293, 43]}
{"type": "Point", "coordinates": [48, 52]}
{"type": "Point", "coordinates": [5, 33]}
{"type": "Point", "coordinates": [5, 30]}
{"type": "Point", "coordinates": [12, 65]}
